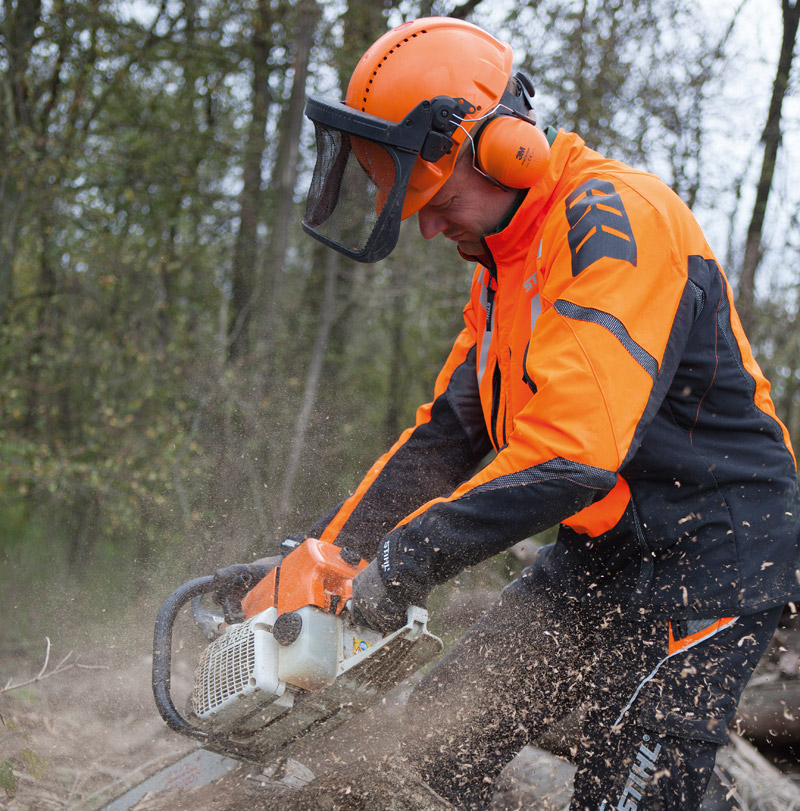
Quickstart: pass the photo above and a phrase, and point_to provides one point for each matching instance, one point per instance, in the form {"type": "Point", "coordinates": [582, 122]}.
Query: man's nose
{"type": "Point", "coordinates": [430, 223]}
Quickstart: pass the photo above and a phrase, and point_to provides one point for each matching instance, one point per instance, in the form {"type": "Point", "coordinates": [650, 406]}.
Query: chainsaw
{"type": "Point", "coordinates": [285, 662]}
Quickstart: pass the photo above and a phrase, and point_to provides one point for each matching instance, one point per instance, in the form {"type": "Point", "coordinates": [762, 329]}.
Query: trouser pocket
{"type": "Point", "coordinates": [657, 749]}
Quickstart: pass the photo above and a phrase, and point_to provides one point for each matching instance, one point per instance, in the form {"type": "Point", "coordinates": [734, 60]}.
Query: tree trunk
{"type": "Point", "coordinates": [771, 138]}
{"type": "Point", "coordinates": [363, 24]}
{"type": "Point", "coordinates": [245, 254]}
{"type": "Point", "coordinates": [12, 198]}
{"type": "Point", "coordinates": [284, 179]}
{"type": "Point", "coordinates": [17, 30]}
{"type": "Point", "coordinates": [313, 378]}
{"type": "Point", "coordinates": [397, 364]}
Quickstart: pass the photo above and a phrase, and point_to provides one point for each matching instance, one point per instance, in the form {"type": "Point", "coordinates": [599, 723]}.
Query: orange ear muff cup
{"type": "Point", "coordinates": [513, 152]}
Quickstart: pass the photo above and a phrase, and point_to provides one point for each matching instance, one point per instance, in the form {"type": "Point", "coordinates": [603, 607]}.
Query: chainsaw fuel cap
{"type": "Point", "coordinates": [287, 628]}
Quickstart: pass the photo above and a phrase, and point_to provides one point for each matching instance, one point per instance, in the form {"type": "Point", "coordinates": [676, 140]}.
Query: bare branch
{"type": "Point", "coordinates": [771, 139]}
{"type": "Point", "coordinates": [61, 667]}
{"type": "Point", "coordinates": [46, 660]}
{"type": "Point", "coordinates": [461, 12]}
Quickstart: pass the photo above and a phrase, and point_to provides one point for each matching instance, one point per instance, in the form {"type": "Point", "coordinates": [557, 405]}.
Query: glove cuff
{"type": "Point", "coordinates": [398, 579]}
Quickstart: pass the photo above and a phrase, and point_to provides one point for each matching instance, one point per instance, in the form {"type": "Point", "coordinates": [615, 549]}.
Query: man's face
{"type": "Point", "coordinates": [466, 208]}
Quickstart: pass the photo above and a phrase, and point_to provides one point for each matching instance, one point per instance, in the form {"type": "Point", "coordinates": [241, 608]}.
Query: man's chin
{"type": "Point", "coordinates": [470, 246]}
{"type": "Point", "coordinates": [478, 256]}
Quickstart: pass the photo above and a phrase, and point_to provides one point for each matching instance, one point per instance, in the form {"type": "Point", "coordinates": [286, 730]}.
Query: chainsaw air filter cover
{"type": "Point", "coordinates": [238, 673]}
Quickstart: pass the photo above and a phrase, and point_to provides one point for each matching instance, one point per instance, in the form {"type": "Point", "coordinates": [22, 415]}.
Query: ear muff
{"type": "Point", "coordinates": [513, 151]}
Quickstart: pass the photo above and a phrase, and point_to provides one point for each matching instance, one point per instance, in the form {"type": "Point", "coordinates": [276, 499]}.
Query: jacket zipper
{"type": "Point", "coordinates": [497, 387]}
{"type": "Point", "coordinates": [496, 391]}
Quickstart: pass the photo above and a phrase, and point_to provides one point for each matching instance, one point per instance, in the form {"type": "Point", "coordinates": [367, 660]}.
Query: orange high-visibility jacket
{"type": "Point", "coordinates": [603, 362]}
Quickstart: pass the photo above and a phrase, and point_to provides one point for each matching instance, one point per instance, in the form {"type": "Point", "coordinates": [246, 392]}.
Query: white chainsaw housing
{"type": "Point", "coordinates": [248, 683]}
{"type": "Point", "coordinates": [238, 672]}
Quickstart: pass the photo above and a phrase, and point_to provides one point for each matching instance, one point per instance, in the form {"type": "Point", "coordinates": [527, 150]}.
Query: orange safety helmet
{"type": "Point", "coordinates": [415, 97]}
{"type": "Point", "coordinates": [423, 59]}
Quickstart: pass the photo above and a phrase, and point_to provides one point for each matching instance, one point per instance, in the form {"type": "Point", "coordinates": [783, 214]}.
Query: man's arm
{"type": "Point", "coordinates": [429, 460]}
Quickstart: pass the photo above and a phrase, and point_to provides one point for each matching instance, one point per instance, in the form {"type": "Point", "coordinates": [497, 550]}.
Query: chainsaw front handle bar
{"type": "Point", "coordinates": [162, 654]}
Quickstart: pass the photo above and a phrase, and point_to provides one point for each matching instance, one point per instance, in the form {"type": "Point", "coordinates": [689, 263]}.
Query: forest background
{"type": "Point", "coordinates": [185, 377]}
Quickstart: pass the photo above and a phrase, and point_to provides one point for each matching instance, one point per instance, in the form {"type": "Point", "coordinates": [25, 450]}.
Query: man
{"type": "Point", "coordinates": [604, 373]}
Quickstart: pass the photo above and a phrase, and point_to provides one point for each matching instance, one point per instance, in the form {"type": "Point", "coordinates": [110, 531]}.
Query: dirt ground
{"type": "Point", "coordinates": [76, 738]}
{"type": "Point", "coordinates": [72, 736]}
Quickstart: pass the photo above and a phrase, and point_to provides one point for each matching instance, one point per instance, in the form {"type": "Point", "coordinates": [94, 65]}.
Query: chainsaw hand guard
{"type": "Point", "coordinates": [232, 583]}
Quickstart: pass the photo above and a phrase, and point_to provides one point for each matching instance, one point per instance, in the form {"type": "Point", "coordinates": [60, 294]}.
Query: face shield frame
{"type": "Point", "coordinates": [426, 132]}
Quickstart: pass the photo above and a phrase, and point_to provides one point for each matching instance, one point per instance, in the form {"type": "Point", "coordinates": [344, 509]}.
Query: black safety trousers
{"type": "Point", "coordinates": [650, 723]}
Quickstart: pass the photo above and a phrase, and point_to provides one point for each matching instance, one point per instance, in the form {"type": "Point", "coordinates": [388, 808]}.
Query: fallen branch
{"type": "Point", "coordinates": [43, 673]}
{"type": "Point", "coordinates": [759, 785]}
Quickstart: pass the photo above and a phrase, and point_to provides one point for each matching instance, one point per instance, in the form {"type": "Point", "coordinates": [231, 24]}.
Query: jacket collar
{"type": "Point", "coordinates": [508, 246]}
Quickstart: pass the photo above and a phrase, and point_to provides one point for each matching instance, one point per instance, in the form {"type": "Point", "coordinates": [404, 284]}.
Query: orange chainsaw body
{"type": "Point", "coordinates": [314, 573]}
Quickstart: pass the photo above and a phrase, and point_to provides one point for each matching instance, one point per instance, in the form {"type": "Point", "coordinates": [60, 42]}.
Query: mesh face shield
{"type": "Point", "coordinates": [363, 168]}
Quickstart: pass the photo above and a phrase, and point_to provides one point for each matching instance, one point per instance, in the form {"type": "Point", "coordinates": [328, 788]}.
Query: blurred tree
{"type": "Point", "coordinates": [283, 182]}
{"type": "Point", "coordinates": [771, 140]}
{"type": "Point", "coordinates": [246, 254]}
{"type": "Point", "coordinates": [629, 76]}
{"type": "Point", "coordinates": [114, 127]}
{"type": "Point", "coordinates": [362, 22]}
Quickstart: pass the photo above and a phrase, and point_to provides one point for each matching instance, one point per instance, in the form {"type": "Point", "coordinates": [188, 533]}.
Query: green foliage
{"type": "Point", "coordinates": [36, 764]}
{"type": "Point", "coordinates": [8, 780]}
{"type": "Point", "coordinates": [22, 759]}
